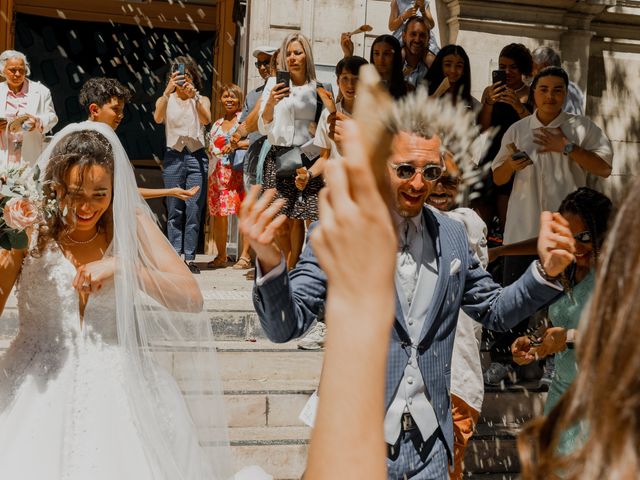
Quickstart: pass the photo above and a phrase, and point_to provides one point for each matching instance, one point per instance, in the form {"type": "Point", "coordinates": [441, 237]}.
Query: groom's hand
{"type": "Point", "coordinates": [259, 223]}
{"type": "Point", "coordinates": [556, 244]}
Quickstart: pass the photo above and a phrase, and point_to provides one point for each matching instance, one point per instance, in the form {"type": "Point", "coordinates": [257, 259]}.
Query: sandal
{"type": "Point", "coordinates": [218, 262]}
{"type": "Point", "coordinates": [242, 264]}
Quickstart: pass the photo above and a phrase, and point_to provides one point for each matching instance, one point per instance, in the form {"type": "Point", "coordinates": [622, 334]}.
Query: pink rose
{"type": "Point", "coordinates": [20, 213]}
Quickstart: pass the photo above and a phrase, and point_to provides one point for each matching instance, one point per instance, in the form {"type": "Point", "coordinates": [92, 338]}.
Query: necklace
{"type": "Point", "coordinates": [523, 85]}
{"type": "Point", "coordinates": [77, 242]}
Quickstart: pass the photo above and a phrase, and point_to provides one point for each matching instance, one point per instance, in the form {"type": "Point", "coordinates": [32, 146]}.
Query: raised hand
{"type": "Point", "coordinates": [355, 227]}
{"type": "Point", "coordinates": [556, 244]}
{"type": "Point", "coordinates": [346, 44]}
{"type": "Point", "coordinates": [183, 194]}
{"type": "Point", "coordinates": [259, 223]}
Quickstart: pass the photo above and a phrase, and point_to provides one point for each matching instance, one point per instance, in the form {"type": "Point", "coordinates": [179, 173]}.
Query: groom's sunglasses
{"type": "Point", "coordinates": [406, 171]}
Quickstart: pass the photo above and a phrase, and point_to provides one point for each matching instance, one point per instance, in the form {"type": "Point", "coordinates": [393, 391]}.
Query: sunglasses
{"type": "Point", "coordinates": [265, 63]}
{"type": "Point", "coordinates": [406, 171]}
{"type": "Point", "coordinates": [583, 237]}
{"type": "Point", "coordinates": [449, 181]}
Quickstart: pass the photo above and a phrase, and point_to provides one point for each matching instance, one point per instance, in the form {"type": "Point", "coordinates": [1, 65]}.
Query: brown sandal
{"type": "Point", "coordinates": [242, 264]}
{"type": "Point", "coordinates": [218, 262]}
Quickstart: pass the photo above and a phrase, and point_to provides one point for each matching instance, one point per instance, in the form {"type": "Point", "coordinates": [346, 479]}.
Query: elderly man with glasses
{"type": "Point", "coordinates": [436, 275]}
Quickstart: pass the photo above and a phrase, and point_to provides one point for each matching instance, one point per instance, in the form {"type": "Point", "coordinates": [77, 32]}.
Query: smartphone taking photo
{"type": "Point", "coordinates": [499, 76]}
{"type": "Point", "coordinates": [180, 69]}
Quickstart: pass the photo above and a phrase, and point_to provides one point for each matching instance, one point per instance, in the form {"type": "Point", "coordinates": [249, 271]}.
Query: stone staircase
{"type": "Point", "coordinates": [266, 386]}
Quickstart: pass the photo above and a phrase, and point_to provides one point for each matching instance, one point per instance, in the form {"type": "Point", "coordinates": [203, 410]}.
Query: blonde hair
{"type": "Point", "coordinates": [310, 70]}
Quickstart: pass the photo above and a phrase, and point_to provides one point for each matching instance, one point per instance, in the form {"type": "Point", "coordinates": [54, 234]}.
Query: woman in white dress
{"type": "Point", "coordinates": [103, 299]}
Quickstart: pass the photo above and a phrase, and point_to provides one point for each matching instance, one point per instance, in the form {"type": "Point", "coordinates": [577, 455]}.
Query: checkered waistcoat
{"type": "Point", "coordinates": [288, 304]}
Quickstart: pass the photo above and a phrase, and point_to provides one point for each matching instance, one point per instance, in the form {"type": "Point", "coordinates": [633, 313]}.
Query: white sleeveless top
{"type": "Point", "coordinates": [182, 126]}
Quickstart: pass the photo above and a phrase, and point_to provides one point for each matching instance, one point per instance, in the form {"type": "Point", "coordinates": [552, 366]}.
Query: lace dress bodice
{"type": "Point", "coordinates": [49, 306]}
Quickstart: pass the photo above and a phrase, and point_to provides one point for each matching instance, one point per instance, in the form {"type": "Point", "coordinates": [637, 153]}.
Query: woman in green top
{"type": "Point", "coordinates": [587, 212]}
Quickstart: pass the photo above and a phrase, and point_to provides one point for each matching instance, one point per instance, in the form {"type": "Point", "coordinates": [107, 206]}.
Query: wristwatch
{"type": "Point", "coordinates": [571, 339]}
{"type": "Point", "coordinates": [568, 148]}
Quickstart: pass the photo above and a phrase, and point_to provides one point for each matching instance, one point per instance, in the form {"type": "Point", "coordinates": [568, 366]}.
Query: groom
{"type": "Point", "coordinates": [436, 275]}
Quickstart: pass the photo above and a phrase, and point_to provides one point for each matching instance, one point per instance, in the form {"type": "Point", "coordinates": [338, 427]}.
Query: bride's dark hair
{"type": "Point", "coordinates": [85, 149]}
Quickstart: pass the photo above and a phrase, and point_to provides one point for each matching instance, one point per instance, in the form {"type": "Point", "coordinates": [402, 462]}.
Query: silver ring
{"type": "Point", "coordinates": [86, 285]}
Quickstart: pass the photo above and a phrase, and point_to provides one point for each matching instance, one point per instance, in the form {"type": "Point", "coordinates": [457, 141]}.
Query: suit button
{"type": "Point", "coordinates": [410, 323]}
{"type": "Point", "coordinates": [410, 380]}
{"type": "Point", "coordinates": [410, 400]}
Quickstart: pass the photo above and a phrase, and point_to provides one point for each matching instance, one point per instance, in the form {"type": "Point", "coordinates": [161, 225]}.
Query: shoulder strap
{"type": "Point", "coordinates": [319, 104]}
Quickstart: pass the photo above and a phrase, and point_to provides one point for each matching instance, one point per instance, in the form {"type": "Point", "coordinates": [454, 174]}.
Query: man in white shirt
{"type": "Point", "coordinates": [562, 149]}
{"type": "Point", "coordinates": [547, 57]}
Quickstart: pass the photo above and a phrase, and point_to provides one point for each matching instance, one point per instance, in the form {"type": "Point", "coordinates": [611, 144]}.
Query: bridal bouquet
{"type": "Point", "coordinates": [21, 205]}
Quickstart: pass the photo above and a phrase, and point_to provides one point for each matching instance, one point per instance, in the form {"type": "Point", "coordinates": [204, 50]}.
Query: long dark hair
{"type": "Point", "coordinates": [594, 209]}
{"type": "Point", "coordinates": [435, 76]}
{"type": "Point", "coordinates": [603, 398]}
{"type": "Point", "coordinates": [85, 149]}
{"type": "Point", "coordinates": [397, 86]}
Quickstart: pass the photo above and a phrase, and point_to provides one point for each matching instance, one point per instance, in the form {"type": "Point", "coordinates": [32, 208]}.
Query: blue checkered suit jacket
{"type": "Point", "coordinates": [288, 305]}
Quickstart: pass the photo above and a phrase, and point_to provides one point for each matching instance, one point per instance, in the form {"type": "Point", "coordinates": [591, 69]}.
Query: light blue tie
{"type": "Point", "coordinates": [406, 265]}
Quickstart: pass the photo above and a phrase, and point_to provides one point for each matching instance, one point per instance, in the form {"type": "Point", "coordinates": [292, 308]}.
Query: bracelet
{"type": "Point", "coordinates": [197, 97]}
{"type": "Point", "coordinates": [543, 273]}
{"type": "Point", "coordinates": [309, 176]}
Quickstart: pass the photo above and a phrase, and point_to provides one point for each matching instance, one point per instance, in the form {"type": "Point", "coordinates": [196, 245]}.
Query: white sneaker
{"type": "Point", "coordinates": [314, 340]}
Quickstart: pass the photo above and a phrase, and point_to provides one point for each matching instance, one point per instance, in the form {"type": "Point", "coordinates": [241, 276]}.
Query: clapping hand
{"type": "Point", "coordinates": [522, 351]}
{"type": "Point", "coordinates": [260, 220]}
{"type": "Point", "coordinates": [556, 245]}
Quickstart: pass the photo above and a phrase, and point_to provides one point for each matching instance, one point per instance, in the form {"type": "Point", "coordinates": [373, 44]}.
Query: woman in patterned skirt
{"type": "Point", "coordinates": [226, 189]}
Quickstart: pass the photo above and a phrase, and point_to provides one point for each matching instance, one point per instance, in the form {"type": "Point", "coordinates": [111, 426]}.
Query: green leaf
{"type": "Point", "coordinates": [5, 243]}
{"type": "Point", "coordinates": [19, 240]}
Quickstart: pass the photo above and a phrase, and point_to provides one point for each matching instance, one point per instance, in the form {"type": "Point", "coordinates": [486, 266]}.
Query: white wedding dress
{"type": "Point", "coordinates": [64, 411]}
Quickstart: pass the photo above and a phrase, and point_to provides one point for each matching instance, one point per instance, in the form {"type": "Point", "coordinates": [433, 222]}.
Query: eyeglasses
{"type": "Point", "coordinates": [264, 63]}
{"type": "Point", "coordinates": [406, 171]}
{"type": "Point", "coordinates": [583, 237]}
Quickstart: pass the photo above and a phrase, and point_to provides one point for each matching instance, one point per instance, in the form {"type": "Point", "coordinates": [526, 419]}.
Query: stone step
{"type": "Point", "coordinates": [282, 451]}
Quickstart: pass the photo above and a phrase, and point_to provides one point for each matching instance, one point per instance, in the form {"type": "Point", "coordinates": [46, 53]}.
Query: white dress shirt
{"type": "Point", "coordinates": [322, 138]}
{"type": "Point", "coordinates": [543, 185]}
{"type": "Point", "coordinates": [291, 115]}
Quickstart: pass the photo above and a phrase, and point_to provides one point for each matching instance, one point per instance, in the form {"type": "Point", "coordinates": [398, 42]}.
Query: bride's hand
{"type": "Point", "coordinates": [91, 277]}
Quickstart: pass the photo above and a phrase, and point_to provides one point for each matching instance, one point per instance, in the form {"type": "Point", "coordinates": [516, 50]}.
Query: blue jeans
{"type": "Point", "coordinates": [185, 170]}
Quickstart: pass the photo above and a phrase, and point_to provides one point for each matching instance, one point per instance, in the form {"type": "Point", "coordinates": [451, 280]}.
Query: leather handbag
{"type": "Point", "coordinates": [288, 161]}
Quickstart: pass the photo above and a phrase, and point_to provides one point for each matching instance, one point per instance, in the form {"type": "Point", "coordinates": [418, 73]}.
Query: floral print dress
{"type": "Point", "coordinates": [226, 188]}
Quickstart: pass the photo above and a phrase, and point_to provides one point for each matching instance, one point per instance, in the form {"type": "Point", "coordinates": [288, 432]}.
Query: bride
{"type": "Point", "coordinates": [103, 301]}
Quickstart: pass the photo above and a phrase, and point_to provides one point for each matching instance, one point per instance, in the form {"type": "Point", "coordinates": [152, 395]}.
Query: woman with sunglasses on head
{"type": "Point", "coordinates": [184, 113]}
{"type": "Point", "coordinates": [587, 212]}
{"type": "Point", "coordinates": [289, 114]}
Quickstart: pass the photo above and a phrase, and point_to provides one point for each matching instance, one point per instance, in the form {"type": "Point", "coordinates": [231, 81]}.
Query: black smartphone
{"type": "Point", "coordinates": [180, 69]}
{"type": "Point", "coordinates": [283, 77]}
{"type": "Point", "coordinates": [520, 156]}
{"type": "Point", "coordinates": [499, 76]}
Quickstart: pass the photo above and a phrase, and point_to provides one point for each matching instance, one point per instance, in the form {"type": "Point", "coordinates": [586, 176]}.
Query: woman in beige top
{"type": "Point", "coordinates": [184, 113]}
